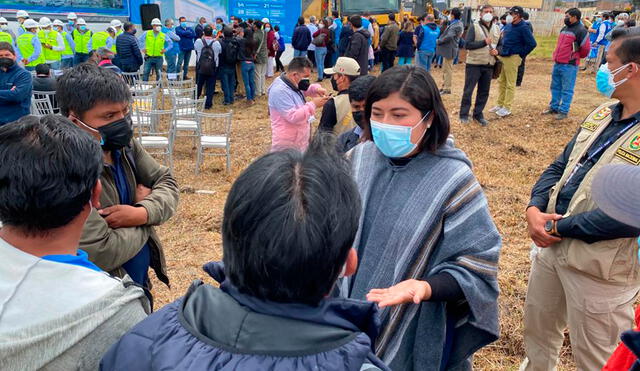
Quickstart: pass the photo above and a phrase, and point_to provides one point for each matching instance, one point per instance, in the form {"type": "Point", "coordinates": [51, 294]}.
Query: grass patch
{"type": "Point", "coordinates": [546, 46]}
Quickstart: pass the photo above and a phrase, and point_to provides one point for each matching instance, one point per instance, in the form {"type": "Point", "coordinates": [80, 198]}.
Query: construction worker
{"type": "Point", "coordinates": [117, 25]}
{"type": "Point", "coordinates": [82, 38]}
{"type": "Point", "coordinates": [52, 44]}
{"type": "Point", "coordinates": [69, 45]}
{"type": "Point", "coordinates": [30, 46]}
{"type": "Point", "coordinates": [22, 16]}
{"type": "Point", "coordinates": [4, 27]}
{"type": "Point", "coordinates": [71, 23]}
{"type": "Point", "coordinates": [154, 44]}
{"type": "Point", "coordinates": [103, 39]}
{"type": "Point", "coordinates": [7, 35]}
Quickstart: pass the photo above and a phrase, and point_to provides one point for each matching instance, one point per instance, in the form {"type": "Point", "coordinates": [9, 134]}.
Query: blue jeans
{"type": "Point", "coordinates": [321, 53]}
{"type": "Point", "coordinates": [183, 62]}
{"type": "Point", "coordinates": [424, 59]}
{"type": "Point", "coordinates": [80, 58]}
{"type": "Point", "coordinates": [66, 63]}
{"type": "Point", "coordinates": [152, 62]}
{"type": "Point", "coordinates": [228, 81]}
{"type": "Point", "coordinates": [299, 53]}
{"type": "Point", "coordinates": [563, 81]}
{"type": "Point", "coordinates": [248, 69]}
{"type": "Point", "coordinates": [171, 63]}
{"type": "Point", "coordinates": [404, 60]}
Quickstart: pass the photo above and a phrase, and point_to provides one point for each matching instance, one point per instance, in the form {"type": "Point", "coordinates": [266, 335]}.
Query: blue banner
{"type": "Point", "coordinates": [88, 7]}
{"type": "Point", "coordinates": [283, 13]}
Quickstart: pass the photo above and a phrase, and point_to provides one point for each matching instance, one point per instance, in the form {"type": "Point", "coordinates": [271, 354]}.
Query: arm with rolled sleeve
{"type": "Point", "coordinates": [22, 91]}
{"type": "Point", "coordinates": [37, 49]}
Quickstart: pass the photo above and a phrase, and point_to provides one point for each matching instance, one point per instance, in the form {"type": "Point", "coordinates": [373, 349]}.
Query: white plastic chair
{"type": "Point", "coordinates": [215, 133]}
{"type": "Point", "coordinates": [143, 103]}
{"type": "Point", "coordinates": [184, 116]}
{"type": "Point", "coordinates": [131, 77]}
{"type": "Point", "coordinates": [50, 95]}
{"type": "Point", "coordinates": [157, 137]}
{"type": "Point", "coordinates": [41, 106]}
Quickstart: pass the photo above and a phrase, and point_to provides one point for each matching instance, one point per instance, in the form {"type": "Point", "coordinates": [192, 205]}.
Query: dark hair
{"type": "Point", "coordinates": [219, 19]}
{"type": "Point", "coordinates": [8, 47]}
{"type": "Point", "coordinates": [456, 13]}
{"type": "Point", "coordinates": [227, 32]}
{"type": "Point", "coordinates": [289, 222]}
{"type": "Point", "coordinates": [486, 6]}
{"type": "Point", "coordinates": [54, 168]}
{"type": "Point", "coordinates": [573, 12]}
{"type": "Point", "coordinates": [355, 21]}
{"type": "Point", "coordinates": [181, 18]}
{"type": "Point", "coordinates": [258, 24]}
{"type": "Point", "coordinates": [300, 21]}
{"type": "Point", "coordinates": [629, 49]}
{"type": "Point", "coordinates": [43, 69]}
{"type": "Point", "coordinates": [525, 16]}
{"type": "Point", "coordinates": [276, 28]}
{"type": "Point", "coordinates": [298, 64]}
{"type": "Point", "coordinates": [208, 31]}
{"type": "Point", "coordinates": [128, 26]}
{"type": "Point", "coordinates": [503, 17]}
{"type": "Point", "coordinates": [250, 44]}
{"type": "Point", "coordinates": [417, 87]}
{"type": "Point", "coordinates": [335, 14]}
{"type": "Point", "coordinates": [359, 88]}
{"type": "Point", "coordinates": [80, 88]}
{"type": "Point", "coordinates": [392, 17]}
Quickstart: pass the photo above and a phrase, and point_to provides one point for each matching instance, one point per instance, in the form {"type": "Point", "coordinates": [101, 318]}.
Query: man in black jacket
{"type": "Point", "coordinates": [129, 58]}
{"type": "Point", "coordinates": [301, 39]}
{"type": "Point", "coordinates": [358, 48]}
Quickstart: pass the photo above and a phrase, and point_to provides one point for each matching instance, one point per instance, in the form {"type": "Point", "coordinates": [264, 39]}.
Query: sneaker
{"type": "Point", "coordinates": [503, 112]}
{"type": "Point", "coordinates": [445, 91]}
{"type": "Point", "coordinates": [550, 111]}
{"type": "Point", "coordinates": [495, 109]}
{"type": "Point", "coordinates": [464, 120]}
{"type": "Point", "coordinates": [481, 120]}
{"type": "Point", "coordinates": [561, 116]}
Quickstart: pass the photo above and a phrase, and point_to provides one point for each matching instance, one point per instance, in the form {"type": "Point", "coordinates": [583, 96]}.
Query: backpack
{"type": "Point", "coordinates": [319, 40]}
{"type": "Point", "coordinates": [207, 62]}
{"type": "Point", "coordinates": [230, 52]}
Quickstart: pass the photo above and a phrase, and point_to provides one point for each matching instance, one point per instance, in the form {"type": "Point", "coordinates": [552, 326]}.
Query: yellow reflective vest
{"type": "Point", "coordinates": [82, 41]}
{"type": "Point", "coordinates": [154, 43]}
{"type": "Point", "coordinates": [27, 49]}
{"type": "Point", "coordinates": [50, 38]}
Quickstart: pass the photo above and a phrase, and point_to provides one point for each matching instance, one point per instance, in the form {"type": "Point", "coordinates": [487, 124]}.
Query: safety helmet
{"type": "Point", "coordinates": [81, 21]}
{"type": "Point", "coordinates": [22, 14]}
{"type": "Point", "coordinates": [45, 22]}
{"type": "Point", "coordinates": [116, 23]}
{"type": "Point", "coordinates": [57, 22]}
{"type": "Point", "coordinates": [156, 22]}
{"type": "Point", "coordinates": [30, 23]}
{"type": "Point", "coordinates": [72, 16]}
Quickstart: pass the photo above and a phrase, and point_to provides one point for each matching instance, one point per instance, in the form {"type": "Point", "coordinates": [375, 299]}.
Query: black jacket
{"type": "Point", "coordinates": [345, 36]}
{"type": "Point", "coordinates": [359, 50]}
{"type": "Point", "coordinates": [129, 58]}
{"type": "Point", "coordinates": [301, 38]}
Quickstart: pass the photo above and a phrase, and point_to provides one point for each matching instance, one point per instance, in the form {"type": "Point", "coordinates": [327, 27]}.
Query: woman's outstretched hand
{"type": "Point", "coordinates": [409, 291]}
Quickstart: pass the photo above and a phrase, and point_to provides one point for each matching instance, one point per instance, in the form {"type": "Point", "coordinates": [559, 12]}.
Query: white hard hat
{"type": "Point", "coordinates": [156, 22]}
{"type": "Point", "coordinates": [72, 16]}
{"type": "Point", "coordinates": [3, 20]}
{"type": "Point", "coordinates": [116, 23]}
{"type": "Point", "coordinates": [265, 20]}
{"type": "Point", "coordinates": [81, 21]}
{"type": "Point", "coordinates": [22, 14]}
{"type": "Point", "coordinates": [57, 22]}
{"type": "Point", "coordinates": [45, 22]}
{"type": "Point", "coordinates": [30, 23]}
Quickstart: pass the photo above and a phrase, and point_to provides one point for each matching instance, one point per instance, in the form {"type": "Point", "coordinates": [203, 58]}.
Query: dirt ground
{"type": "Point", "coordinates": [508, 157]}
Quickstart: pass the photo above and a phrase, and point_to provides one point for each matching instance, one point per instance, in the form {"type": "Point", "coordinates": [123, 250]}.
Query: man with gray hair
{"type": "Point", "coordinates": [311, 50]}
{"type": "Point", "coordinates": [105, 58]}
{"type": "Point", "coordinates": [172, 53]}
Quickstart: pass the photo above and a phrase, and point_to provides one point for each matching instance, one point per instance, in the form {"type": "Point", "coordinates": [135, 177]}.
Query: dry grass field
{"type": "Point", "coordinates": [508, 157]}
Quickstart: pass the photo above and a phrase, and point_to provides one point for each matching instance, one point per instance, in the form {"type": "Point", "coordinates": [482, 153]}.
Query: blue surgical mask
{"type": "Point", "coordinates": [83, 28]}
{"type": "Point", "coordinates": [267, 29]}
{"type": "Point", "coordinates": [598, 19]}
{"type": "Point", "coordinates": [394, 140]}
{"type": "Point", "coordinates": [604, 79]}
{"type": "Point", "coordinates": [183, 24]}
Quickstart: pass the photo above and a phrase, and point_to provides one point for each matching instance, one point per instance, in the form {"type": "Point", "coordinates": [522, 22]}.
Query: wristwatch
{"type": "Point", "coordinates": [551, 227]}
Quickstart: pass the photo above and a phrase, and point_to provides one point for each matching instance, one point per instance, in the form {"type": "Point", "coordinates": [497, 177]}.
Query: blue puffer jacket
{"type": "Point", "coordinates": [301, 38]}
{"type": "Point", "coordinates": [129, 57]}
{"type": "Point", "coordinates": [15, 94]}
{"type": "Point", "coordinates": [187, 37]}
{"type": "Point", "coordinates": [223, 329]}
{"type": "Point", "coordinates": [517, 39]}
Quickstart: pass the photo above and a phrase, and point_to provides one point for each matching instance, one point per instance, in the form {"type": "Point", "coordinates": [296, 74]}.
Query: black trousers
{"type": "Point", "coordinates": [388, 57]}
{"type": "Point", "coordinates": [279, 66]}
{"type": "Point", "coordinates": [521, 69]}
{"type": "Point", "coordinates": [480, 76]}
{"type": "Point", "coordinates": [210, 83]}
{"type": "Point", "coordinates": [311, 54]}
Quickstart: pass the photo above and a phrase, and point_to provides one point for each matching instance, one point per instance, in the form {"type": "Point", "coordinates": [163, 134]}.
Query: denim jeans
{"type": "Point", "coordinates": [404, 60]}
{"type": "Point", "coordinates": [66, 63]}
{"type": "Point", "coordinates": [424, 59]}
{"type": "Point", "coordinates": [156, 64]}
{"type": "Point", "coordinates": [321, 52]}
{"type": "Point", "coordinates": [80, 58]}
{"type": "Point", "coordinates": [299, 53]}
{"type": "Point", "coordinates": [248, 69]}
{"type": "Point", "coordinates": [563, 81]}
{"type": "Point", "coordinates": [171, 63]}
{"type": "Point", "coordinates": [228, 81]}
{"type": "Point", "coordinates": [183, 62]}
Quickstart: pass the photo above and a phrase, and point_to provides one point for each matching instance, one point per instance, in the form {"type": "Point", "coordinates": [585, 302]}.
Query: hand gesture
{"type": "Point", "coordinates": [144, 51]}
{"type": "Point", "coordinates": [123, 216]}
{"type": "Point", "coordinates": [487, 41]}
{"type": "Point", "coordinates": [162, 51]}
{"type": "Point", "coordinates": [320, 101]}
{"type": "Point", "coordinates": [409, 291]}
{"type": "Point", "coordinates": [321, 91]}
{"type": "Point", "coordinates": [142, 192]}
{"type": "Point", "coordinates": [493, 52]}
{"type": "Point", "coordinates": [536, 221]}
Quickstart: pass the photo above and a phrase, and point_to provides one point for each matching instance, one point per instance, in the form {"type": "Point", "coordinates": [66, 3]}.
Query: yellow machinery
{"type": "Point", "coordinates": [323, 8]}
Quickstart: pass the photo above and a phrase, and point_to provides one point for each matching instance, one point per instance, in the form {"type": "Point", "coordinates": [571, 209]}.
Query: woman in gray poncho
{"type": "Point", "coordinates": [425, 236]}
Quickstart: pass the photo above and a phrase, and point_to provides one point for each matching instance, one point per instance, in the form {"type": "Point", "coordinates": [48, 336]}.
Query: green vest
{"type": "Point", "coordinates": [6, 37]}
{"type": "Point", "coordinates": [99, 40]}
{"type": "Point", "coordinates": [82, 41]}
{"type": "Point", "coordinates": [154, 44]}
{"type": "Point", "coordinates": [51, 39]}
{"type": "Point", "coordinates": [614, 261]}
{"type": "Point", "coordinates": [26, 49]}
{"type": "Point", "coordinates": [67, 47]}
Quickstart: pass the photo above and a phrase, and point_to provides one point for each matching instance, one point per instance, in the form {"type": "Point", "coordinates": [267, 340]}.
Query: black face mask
{"type": "Point", "coordinates": [117, 134]}
{"type": "Point", "coordinates": [6, 63]}
{"type": "Point", "coordinates": [334, 84]}
{"type": "Point", "coordinates": [304, 84]}
{"type": "Point", "coordinates": [358, 117]}
{"type": "Point", "coordinates": [567, 22]}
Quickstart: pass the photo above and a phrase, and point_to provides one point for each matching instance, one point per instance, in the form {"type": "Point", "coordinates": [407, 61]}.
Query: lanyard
{"type": "Point", "coordinates": [589, 157]}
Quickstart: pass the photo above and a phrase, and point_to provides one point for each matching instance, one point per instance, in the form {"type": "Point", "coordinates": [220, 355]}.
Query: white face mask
{"type": "Point", "coordinates": [487, 17]}
{"type": "Point", "coordinates": [509, 19]}
{"type": "Point", "coordinates": [620, 23]}
{"type": "Point", "coordinates": [320, 26]}
{"type": "Point", "coordinates": [3, 26]}
{"type": "Point", "coordinates": [157, 28]}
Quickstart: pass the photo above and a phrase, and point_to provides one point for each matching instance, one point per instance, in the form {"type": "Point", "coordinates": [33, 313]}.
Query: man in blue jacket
{"type": "Point", "coordinates": [15, 86]}
{"type": "Point", "coordinates": [301, 39]}
{"type": "Point", "coordinates": [427, 34]}
{"type": "Point", "coordinates": [129, 57]}
{"type": "Point", "coordinates": [517, 41]}
{"type": "Point", "coordinates": [272, 310]}
{"type": "Point", "coordinates": [187, 37]}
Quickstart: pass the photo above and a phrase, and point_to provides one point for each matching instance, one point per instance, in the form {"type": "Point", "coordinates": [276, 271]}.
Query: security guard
{"type": "Point", "coordinates": [30, 46]}
{"type": "Point", "coordinates": [52, 44]}
{"type": "Point", "coordinates": [21, 16]}
{"type": "Point", "coordinates": [585, 272]}
{"type": "Point", "coordinates": [81, 37]}
{"type": "Point", "coordinates": [69, 45]}
{"type": "Point", "coordinates": [155, 44]}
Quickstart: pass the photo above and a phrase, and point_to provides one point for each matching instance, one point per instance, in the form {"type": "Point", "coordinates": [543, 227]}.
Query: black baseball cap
{"type": "Point", "coordinates": [516, 10]}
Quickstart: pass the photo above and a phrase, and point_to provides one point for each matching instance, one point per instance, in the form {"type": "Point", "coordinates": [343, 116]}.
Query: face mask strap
{"type": "Point", "coordinates": [95, 132]}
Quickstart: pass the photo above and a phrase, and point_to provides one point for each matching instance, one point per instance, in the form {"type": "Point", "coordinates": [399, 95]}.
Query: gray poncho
{"type": "Point", "coordinates": [426, 217]}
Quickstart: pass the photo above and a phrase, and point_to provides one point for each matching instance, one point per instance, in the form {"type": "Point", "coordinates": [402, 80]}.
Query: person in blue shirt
{"type": "Point", "coordinates": [172, 53]}
{"type": "Point", "coordinates": [337, 29]}
{"type": "Point", "coordinates": [187, 38]}
{"type": "Point", "coordinates": [427, 34]}
{"type": "Point", "coordinates": [15, 86]}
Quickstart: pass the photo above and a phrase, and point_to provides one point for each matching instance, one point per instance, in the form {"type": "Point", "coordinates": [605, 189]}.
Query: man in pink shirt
{"type": "Point", "coordinates": [291, 115]}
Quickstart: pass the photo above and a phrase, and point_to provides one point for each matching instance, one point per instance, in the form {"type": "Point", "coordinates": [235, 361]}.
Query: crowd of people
{"type": "Point", "coordinates": [366, 246]}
